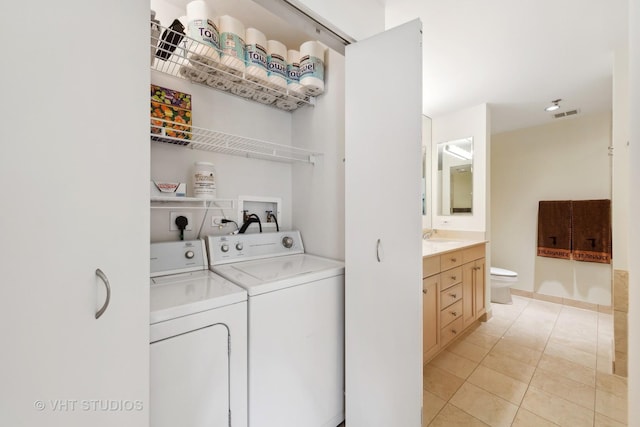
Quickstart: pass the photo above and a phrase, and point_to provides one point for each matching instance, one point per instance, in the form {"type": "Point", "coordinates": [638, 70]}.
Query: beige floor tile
{"type": "Point", "coordinates": [557, 410]}
{"type": "Point", "coordinates": [499, 384]}
{"type": "Point", "coordinates": [573, 391]}
{"type": "Point", "coordinates": [604, 364]}
{"type": "Point", "coordinates": [439, 382]}
{"type": "Point", "coordinates": [431, 405]}
{"type": "Point", "coordinates": [495, 327]}
{"type": "Point", "coordinates": [508, 366]}
{"type": "Point", "coordinates": [481, 339]}
{"type": "Point", "coordinates": [450, 416]}
{"type": "Point", "coordinates": [468, 350]}
{"type": "Point", "coordinates": [568, 369]}
{"type": "Point", "coordinates": [613, 384]}
{"type": "Point", "coordinates": [485, 406]}
{"type": "Point", "coordinates": [508, 347]}
{"type": "Point", "coordinates": [602, 421]}
{"type": "Point", "coordinates": [525, 418]}
{"type": "Point", "coordinates": [588, 344]}
{"type": "Point", "coordinates": [454, 364]}
{"type": "Point", "coordinates": [572, 354]}
{"type": "Point", "coordinates": [528, 337]}
{"type": "Point", "coordinates": [541, 307]}
{"type": "Point", "coordinates": [611, 406]}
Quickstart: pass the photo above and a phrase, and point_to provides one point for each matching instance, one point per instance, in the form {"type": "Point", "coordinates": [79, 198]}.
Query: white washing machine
{"type": "Point", "coordinates": [198, 340]}
{"type": "Point", "coordinates": [296, 327]}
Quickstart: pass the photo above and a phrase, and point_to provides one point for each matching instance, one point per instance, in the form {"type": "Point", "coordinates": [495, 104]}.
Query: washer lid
{"type": "Point", "coordinates": [189, 293]}
{"type": "Point", "coordinates": [495, 271]}
{"type": "Point", "coordinates": [271, 274]}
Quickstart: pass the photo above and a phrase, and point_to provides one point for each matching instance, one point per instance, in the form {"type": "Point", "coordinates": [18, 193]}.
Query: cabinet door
{"type": "Point", "coordinates": [430, 316]}
{"type": "Point", "coordinates": [383, 282]}
{"type": "Point", "coordinates": [75, 174]}
{"type": "Point", "coordinates": [468, 280]}
{"type": "Point", "coordinates": [479, 287]}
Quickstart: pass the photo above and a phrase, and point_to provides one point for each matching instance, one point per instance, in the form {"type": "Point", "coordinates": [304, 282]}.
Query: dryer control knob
{"type": "Point", "coordinates": [239, 246]}
{"type": "Point", "coordinates": [287, 242]}
{"type": "Point", "coordinates": [224, 248]}
{"type": "Point", "coordinates": [189, 254]}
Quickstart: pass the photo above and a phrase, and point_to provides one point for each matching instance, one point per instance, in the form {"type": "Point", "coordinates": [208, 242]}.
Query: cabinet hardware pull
{"type": "Point", "coordinates": [453, 277]}
{"type": "Point", "coordinates": [454, 313]}
{"type": "Point", "coordinates": [378, 255]}
{"type": "Point", "coordinates": [453, 259]}
{"type": "Point", "coordinates": [104, 279]}
{"type": "Point", "coordinates": [453, 331]}
{"type": "Point", "coordinates": [424, 291]}
{"type": "Point", "coordinates": [453, 295]}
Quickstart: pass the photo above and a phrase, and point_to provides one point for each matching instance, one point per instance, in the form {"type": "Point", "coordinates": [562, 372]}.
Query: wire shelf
{"type": "Point", "coordinates": [170, 132]}
{"type": "Point", "coordinates": [181, 56]}
{"type": "Point", "coordinates": [161, 202]}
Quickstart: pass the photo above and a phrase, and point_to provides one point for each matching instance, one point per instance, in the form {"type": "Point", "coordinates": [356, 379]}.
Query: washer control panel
{"type": "Point", "coordinates": [177, 257]}
{"type": "Point", "coordinates": [244, 247]}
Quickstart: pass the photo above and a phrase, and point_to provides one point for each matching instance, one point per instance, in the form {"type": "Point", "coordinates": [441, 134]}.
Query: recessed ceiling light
{"type": "Point", "coordinates": [554, 105]}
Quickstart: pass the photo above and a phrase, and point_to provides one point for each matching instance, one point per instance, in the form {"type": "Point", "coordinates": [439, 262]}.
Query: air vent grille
{"type": "Point", "coordinates": [566, 114]}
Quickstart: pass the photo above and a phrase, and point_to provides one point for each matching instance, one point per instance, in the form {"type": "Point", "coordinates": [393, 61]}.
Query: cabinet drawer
{"type": "Point", "coordinates": [451, 295]}
{"type": "Point", "coordinates": [450, 260]}
{"type": "Point", "coordinates": [450, 331]}
{"type": "Point", "coordinates": [450, 277]}
{"type": "Point", "coordinates": [430, 266]}
{"type": "Point", "coordinates": [451, 313]}
{"type": "Point", "coordinates": [473, 253]}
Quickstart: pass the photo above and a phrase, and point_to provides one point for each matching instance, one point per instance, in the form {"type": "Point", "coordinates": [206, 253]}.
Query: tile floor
{"type": "Point", "coordinates": [534, 363]}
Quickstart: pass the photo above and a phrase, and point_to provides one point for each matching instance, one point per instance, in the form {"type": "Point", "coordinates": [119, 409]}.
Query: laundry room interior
{"type": "Point", "coordinates": [489, 219]}
{"type": "Point", "coordinates": [373, 213]}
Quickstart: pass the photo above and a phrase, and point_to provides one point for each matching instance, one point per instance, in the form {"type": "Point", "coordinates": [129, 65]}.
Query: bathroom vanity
{"type": "Point", "coordinates": [453, 291]}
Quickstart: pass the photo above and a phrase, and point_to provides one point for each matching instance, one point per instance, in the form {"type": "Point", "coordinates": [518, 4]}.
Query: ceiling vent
{"type": "Point", "coordinates": [566, 114]}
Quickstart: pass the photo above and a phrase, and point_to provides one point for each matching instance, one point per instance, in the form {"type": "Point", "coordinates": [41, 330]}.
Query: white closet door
{"type": "Point", "coordinates": [383, 307]}
{"type": "Point", "coordinates": [74, 169]}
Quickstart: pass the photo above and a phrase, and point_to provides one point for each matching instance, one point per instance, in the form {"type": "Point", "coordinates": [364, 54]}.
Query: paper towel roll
{"type": "Point", "coordinates": [204, 31]}
{"type": "Point", "coordinates": [263, 97]}
{"type": "Point", "coordinates": [232, 45]}
{"type": "Point", "coordinates": [243, 91]}
{"type": "Point", "coordinates": [286, 104]}
{"type": "Point", "coordinates": [312, 67]}
{"type": "Point", "coordinates": [256, 55]}
{"type": "Point", "coordinates": [277, 64]}
{"type": "Point", "coordinates": [219, 83]}
{"type": "Point", "coordinates": [196, 75]}
{"type": "Point", "coordinates": [293, 73]}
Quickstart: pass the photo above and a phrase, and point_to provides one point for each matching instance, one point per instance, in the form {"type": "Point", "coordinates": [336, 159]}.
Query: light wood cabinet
{"type": "Point", "coordinates": [453, 296]}
{"type": "Point", "coordinates": [430, 322]}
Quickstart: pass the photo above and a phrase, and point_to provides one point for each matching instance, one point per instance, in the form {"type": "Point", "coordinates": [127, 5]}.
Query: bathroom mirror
{"type": "Point", "coordinates": [455, 177]}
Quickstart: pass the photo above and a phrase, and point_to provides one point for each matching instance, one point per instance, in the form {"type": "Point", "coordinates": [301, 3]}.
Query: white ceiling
{"type": "Point", "coordinates": [516, 55]}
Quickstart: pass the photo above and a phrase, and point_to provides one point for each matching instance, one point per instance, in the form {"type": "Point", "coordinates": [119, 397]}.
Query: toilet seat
{"type": "Point", "coordinates": [501, 272]}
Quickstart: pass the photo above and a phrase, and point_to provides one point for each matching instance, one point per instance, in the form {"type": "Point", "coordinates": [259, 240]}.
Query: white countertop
{"type": "Point", "coordinates": [437, 246]}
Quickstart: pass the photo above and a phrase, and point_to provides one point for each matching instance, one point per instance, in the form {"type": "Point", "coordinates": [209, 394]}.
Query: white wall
{"type": "Point", "coordinates": [564, 160]}
{"type": "Point", "coordinates": [634, 204]}
{"type": "Point", "coordinates": [472, 122]}
{"type": "Point", "coordinates": [318, 190]}
{"type": "Point", "coordinates": [235, 175]}
{"type": "Point", "coordinates": [358, 19]}
{"type": "Point", "coordinates": [620, 137]}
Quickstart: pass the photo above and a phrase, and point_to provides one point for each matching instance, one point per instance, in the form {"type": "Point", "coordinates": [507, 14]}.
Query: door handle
{"type": "Point", "coordinates": [105, 280]}
{"type": "Point", "coordinates": [379, 251]}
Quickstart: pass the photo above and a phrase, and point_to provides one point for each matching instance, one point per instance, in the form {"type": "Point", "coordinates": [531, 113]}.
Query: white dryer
{"type": "Point", "coordinates": [296, 327]}
{"type": "Point", "coordinates": [198, 341]}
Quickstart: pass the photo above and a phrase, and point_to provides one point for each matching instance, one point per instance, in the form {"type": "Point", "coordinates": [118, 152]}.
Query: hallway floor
{"type": "Point", "coordinates": [534, 363]}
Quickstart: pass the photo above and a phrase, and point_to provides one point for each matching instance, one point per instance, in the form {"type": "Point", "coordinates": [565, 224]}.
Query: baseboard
{"type": "Point", "coordinates": [564, 301]}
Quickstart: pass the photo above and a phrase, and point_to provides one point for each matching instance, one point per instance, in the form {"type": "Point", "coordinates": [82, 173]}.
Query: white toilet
{"type": "Point", "coordinates": [501, 282]}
